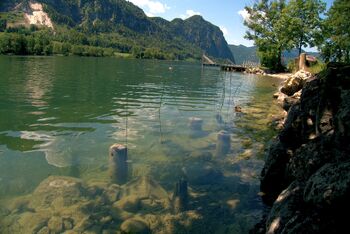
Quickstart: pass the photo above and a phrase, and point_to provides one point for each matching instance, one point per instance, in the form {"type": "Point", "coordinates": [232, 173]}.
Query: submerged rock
{"type": "Point", "coordinates": [201, 174]}
{"type": "Point", "coordinates": [57, 191]}
{"type": "Point", "coordinates": [144, 187]}
{"type": "Point", "coordinates": [130, 203]}
{"type": "Point", "coordinates": [67, 205]}
{"type": "Point", "coordinates": [134, 225]}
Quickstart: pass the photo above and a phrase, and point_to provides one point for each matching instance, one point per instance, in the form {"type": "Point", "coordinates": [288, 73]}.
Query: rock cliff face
{"type": "Point", "coordinates": [306, 177]}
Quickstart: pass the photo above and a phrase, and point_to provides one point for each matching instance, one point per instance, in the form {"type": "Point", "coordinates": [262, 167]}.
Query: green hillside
{"type": "Point", "coordinates": [117, 25]}
{"type": "Point", "coordinates": [244, 54]}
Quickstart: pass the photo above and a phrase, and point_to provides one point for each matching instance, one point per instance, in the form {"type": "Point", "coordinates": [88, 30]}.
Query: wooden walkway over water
{"type": "Point", "coordinates": [224, 67]}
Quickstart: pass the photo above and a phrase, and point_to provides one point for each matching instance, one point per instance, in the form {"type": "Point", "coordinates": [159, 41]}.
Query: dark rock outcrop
{"type": "Point", "coordinates": [306, 177]}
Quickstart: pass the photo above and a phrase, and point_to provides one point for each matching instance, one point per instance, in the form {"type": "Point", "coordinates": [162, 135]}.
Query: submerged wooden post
{"type": "Point", "coordinates": [118, 165]}
{"type": "Point", "coordinates": [180, 197]}
{"type": "Point", "coordinates": [223, 144]}
{"type": "Point", "coordinates": [195, 125]}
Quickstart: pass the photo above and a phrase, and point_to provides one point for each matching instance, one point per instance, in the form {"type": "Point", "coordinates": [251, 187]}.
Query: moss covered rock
{"type": "Point", "coordinates": [135, 225]}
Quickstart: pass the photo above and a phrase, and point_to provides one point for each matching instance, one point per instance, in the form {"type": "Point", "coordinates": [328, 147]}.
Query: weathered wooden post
{"type": "Point", "coordinates": [195, 125]}
{"type": "Point", "coordinates": [180, 197]}
{"type": "Point", "coordinates": [223, 144]}
{"type": "Point", "coordinates": [302, 61]}
{"type": "Point", "coordinates": [118, 165]}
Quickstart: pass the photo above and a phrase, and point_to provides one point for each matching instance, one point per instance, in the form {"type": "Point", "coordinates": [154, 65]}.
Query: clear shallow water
{"type": "Point", "coordinates": [59, 115]}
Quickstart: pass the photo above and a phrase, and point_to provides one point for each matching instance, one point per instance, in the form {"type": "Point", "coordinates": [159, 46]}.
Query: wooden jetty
{"type": "Point", "coordinates": [206, 61]}
{"type": "Point", "coordinates": [232, 68]}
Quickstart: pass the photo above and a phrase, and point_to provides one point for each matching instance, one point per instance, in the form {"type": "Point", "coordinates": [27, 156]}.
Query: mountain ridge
{"type": "Point", "coordinates": [130, 25]}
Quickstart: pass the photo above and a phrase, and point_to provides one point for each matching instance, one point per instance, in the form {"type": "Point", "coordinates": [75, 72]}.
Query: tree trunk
{"type": "Point", "coordinates": [279, 59]}
{"type": "Point", "coordinates": [300, 43]}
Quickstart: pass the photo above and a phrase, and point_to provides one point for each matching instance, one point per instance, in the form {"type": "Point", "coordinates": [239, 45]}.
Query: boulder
{"type": "Point", "coordinates": [273, 174]}
{"type": "Point", "coordinates": [130, 204]}
{"type": "Point", "coordinates": [309, 158]}
{"type": "Point", "coordinates": [55, 224]}
{"type": "Point", "coordinates": [66, 190]}
{"type": "Point", "coordinates": [134, 225]}
{"type": "Point", "coordinates": [295, 83]}
{"type": "Point", "coordinates": [32, 222]}
{"type": "Point", "coordinates": [285, 208]}
{"type": "Point", "coordinates": [329, 187]}
{"type": "Point", "coordinates": [342, 121]}
{"type": "Point", "coordinates": [288, 102]}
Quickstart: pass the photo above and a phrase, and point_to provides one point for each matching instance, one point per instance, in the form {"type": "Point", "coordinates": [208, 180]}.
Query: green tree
{"type": "Point", "coordinates": [5, 42]}
{"type": "Point", "coordinates": [266, 29]}
{"type": "Point", "coordinates": [57, 47]}
{"type": "Point", "coordinates": [38, 46]}
{"type": "Point", "coordinates": [337, 32]}
{"type": "Point", "coordinates": [18, 44]}
{"type": "Point", "coordinates": [303, 22]}
{"type": "Point", "coordinates": [30, 45]}
{"type": "Point", "coordinates": [3, 24]}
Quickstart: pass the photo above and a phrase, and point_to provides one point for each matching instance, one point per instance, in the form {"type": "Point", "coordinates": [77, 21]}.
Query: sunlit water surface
{"type": "Point", "coordinates": [60, 115]}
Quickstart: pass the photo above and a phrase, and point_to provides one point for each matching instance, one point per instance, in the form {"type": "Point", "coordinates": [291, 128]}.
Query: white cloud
{"type": "Point", "coordinates": [244, 14]}
{"type": "Point", "coordinates": [224, 30]}
{"type": "Point", "coordinates": [151, 7]}
{"type": "Point", "coordinates": [190, 13]}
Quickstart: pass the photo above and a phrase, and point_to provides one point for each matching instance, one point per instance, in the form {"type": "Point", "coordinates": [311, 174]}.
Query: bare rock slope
{"type": "Point", "coordinates": [306, 177]}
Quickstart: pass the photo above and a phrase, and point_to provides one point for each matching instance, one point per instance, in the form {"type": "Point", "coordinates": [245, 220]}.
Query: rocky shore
{"type": "Point", "coordinates": [306, 177]}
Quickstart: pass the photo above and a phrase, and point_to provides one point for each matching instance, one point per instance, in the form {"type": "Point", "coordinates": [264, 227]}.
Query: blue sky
{"type": "Point", "coordinates": [223, 13]}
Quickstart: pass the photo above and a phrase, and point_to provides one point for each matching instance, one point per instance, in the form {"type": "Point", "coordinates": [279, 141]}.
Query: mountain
{"type": "Point", "coordinates": [244, 54]}
{"type": "Point", "coordinates": [120, 25]}
{"type": "Point", "coordinates": [208, 36]}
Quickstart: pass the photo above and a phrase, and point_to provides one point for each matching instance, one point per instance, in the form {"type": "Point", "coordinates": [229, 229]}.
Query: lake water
{"type": "Point", "coordinates": [60, 115]}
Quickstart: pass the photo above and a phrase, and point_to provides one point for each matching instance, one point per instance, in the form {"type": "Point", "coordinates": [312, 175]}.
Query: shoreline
{"type": "Point", "coordinates": [283, 76]}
